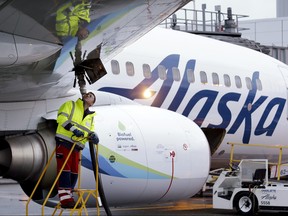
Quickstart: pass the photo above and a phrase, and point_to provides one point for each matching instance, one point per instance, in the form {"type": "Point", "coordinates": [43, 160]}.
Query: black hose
{"type": "Point", "coordinates": [100, 186]}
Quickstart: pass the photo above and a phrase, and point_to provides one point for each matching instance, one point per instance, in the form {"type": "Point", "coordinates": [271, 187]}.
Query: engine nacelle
{"type": "Point", "coordinates": [148, 154]}
{"type": "Point", "coordinates": [23, 158]}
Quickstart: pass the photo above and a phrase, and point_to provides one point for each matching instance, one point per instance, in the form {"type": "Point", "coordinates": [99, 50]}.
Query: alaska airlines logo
{"type": "Point", "coordinates": [265, 126]}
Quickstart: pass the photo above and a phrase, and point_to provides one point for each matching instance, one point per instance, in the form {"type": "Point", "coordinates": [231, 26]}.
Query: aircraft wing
{"type": "Point", "coordinates": [35, 55]}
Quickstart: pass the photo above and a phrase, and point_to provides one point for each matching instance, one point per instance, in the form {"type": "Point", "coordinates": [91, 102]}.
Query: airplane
{"type": "Point", "coordinates": [227, 90]}
{"type": "Point", "coordinates": [142, 158]}
{"type": "Point", "coordinates": [235, 94]}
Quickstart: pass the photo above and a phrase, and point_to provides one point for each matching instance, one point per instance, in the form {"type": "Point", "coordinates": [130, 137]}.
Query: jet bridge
{"type": "Point", "coordinates": [214, 24]}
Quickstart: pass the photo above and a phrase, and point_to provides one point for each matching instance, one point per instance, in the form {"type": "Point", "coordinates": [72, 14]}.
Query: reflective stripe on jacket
{"type": "Point", "coordinates": [72, 112]}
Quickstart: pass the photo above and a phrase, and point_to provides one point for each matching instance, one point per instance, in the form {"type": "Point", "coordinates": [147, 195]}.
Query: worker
{"type": "Point", "coordinates": [72, 19]}
{"type": "Point", "coordinates": [75, 124]}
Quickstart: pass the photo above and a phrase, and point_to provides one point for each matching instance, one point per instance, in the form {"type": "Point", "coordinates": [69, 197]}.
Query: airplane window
{"type": "Point", "coordinates": [259, 84]}
{"type": "Point", "coordinates": [115, 67]}
{"type": "Point", "coordinates": [162, 72]}
{"type": "Point", "coordinates": [215, 79]}
{"type": "Point", "coordinates": [227, 81]}
{"type": "Point", "coordinates": [203, 77]}
{"type": "Point", "coordinates": [130, 69]}
{"type": "Point", "coordinates": [238, 82]}
{"type": "Point", "coordinates": [248, 83]}
{"type": "Point", "coordinates": [146, 71]}
{"type": "Point", "coordinates": [176, 74]}
{"type": "Point", "coordinates": [190, 75]}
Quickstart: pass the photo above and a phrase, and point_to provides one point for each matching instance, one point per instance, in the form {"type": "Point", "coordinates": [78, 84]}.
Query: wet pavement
{"type": "Point", "coordinates": [13, 202]}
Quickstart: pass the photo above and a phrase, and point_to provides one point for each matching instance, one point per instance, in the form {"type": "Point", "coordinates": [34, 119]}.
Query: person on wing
{"type": "Point", "coordinates": [72, 19]}
{"type": "Point", "coordinates": [75, 124]}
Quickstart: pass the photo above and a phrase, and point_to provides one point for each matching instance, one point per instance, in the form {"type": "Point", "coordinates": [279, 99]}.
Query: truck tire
{"type": "Point", "coordinates": [246, 203]}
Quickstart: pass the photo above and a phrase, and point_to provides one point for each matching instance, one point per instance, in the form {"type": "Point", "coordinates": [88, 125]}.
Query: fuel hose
{"type": "Point", "coordinates": [100, 186]}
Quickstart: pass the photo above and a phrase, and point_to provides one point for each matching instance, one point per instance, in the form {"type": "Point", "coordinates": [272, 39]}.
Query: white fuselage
{"type": "Point", "coordinates": [214, 83]}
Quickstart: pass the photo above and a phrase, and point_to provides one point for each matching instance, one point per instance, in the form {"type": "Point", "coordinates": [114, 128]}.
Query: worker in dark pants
{"type": "Point", "coordinates": [75, 124]}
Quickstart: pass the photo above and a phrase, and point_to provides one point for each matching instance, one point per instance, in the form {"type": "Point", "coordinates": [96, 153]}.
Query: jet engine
{"type": "Point", "coordinates": [147, 153]}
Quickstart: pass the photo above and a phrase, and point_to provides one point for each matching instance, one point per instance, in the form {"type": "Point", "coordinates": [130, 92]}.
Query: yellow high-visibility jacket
{"type": "Point", "coordinates": [72, 112]}
{"type": "Point", "coordinates": [68, 18]}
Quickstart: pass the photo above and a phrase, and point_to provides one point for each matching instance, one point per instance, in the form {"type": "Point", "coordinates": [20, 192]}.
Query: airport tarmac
{"type": "Point", "coordinates": [13, 202]}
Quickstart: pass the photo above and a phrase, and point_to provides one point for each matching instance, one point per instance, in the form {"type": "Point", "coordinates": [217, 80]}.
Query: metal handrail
{"type": "Point", "coordinates": [280, 147]}
{"type": "Point", "coordinates": [56, 180]}
{"type": "Point", "coordinates": [39, 180]}
{"type": "Point", "coordinates": [200, 20]}
{"type": "Point", "coordinates": [79, 191]}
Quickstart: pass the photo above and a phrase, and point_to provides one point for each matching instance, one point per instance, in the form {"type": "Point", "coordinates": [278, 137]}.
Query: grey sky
{"type": "Point", "coordinates": [256, 9]}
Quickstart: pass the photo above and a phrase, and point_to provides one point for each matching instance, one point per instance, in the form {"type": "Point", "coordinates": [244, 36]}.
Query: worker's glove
{"type": "Point", "coordinates": [93, 138]}
{"type": "Point", "coordinates": [76, 132]}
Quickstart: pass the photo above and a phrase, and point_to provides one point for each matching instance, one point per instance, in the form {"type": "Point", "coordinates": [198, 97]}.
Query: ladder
{"type": "Point", "coordinates": [83, 194]}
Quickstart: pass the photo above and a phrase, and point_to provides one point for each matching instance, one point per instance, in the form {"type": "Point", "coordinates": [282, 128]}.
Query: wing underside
{"type": "Point", "coordinates": [35, 56]}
